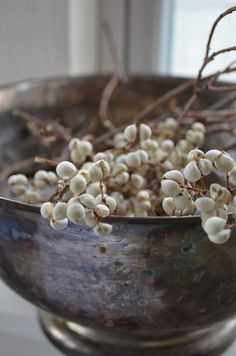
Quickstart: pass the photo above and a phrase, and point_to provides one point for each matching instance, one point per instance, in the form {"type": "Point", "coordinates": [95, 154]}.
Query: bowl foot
{"type": "Point", "coordinates": [77, 340]}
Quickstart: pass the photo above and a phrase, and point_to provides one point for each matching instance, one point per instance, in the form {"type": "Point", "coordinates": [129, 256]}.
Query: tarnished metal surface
{"type": "Point", "coordinates": [149, 274]}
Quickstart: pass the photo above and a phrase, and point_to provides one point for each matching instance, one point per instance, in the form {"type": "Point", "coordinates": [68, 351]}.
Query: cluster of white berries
{"type": "Point", "coordinates": [186, 192]}
{"type": "Point", "coordinates": [130, 179]}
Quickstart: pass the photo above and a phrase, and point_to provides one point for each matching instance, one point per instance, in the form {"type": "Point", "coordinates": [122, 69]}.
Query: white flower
{"type": "Point", "coordinates": [220, 238]}
{"type": "Point", "coordinates": [137, 180]}
{"type": "Point", "coordinates": [59, 211]}
{"type": "Point", "coordinates": [66, 169]}
{"type": "Point", "coordinates": [170, 123]}
{"type": "Point", "coordinates": [130, 133]}
{"type": "Point", "coordinates": [214, 225]}
{"type": "Point", "coordinates": [145, 132]}
{"type": "Point", "coordinates": [175, 175]}
{"type": "Point", "coordinates": [205, 204]}
{"type": "Point", "coordinates": [86, 148]}
{"type": "Point", "coordinates": [85, 173]}
{"type": "Point", "coordinates": [170, 188]}
{"type": "Point", "coordinates": [102, 229]}
{"type": "Point", "coordinates": [192, 172]}
{"type": "Point", "coordinates": [46, 210]}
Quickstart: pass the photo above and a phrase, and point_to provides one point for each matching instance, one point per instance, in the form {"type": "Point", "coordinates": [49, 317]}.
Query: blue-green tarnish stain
{"type": "Point", "coordinates": [188, 248]}
{"type": "Point", "coordinates": [198, 277]}
{"type": "Point", "coordinates": [149, 273]}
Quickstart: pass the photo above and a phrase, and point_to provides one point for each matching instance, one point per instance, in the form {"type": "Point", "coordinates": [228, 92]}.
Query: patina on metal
{"type": "Point", "coordinates": [156, 286]}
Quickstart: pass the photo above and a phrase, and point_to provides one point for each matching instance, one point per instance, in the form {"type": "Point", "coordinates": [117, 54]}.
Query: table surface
{"type": "Point", "coordinates": [20, 333]}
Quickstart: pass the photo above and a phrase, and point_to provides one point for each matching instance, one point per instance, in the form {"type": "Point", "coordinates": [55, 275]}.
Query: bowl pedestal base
{"type": "Point", "coordinates": [76, 340]}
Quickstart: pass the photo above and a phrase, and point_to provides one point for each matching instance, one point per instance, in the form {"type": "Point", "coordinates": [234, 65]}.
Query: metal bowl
{"type": "Point", "coordinates": [156, 285]}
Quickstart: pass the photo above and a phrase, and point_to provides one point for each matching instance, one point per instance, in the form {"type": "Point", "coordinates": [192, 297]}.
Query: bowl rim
{"type": "Point", "coordinates": [157, 220]}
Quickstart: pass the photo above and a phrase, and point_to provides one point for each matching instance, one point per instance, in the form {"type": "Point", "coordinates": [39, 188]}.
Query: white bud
{"type": "Point", "coordinates": [93, 189]}
{"type": "Point", "coordinates": [46, 210]}
{"type": "Point", "coordinates": [184, 146]}
{"type": "Point", "coordinates": [102, 210]}
{"type": "Point", "coordinates": [119, 168]}
{"type": "Point", "coordinates": [133, 160]}
{"type": "Point", "coordinates": [111, 203]}
{"type": "Point", "coordinates": [150, 145]}
{"type": "Point", "coordinates": [30, 197]}
{"type": "Point", "coordinates": [192, 172]}
{"type": "Point", "coordinates": [102, 229]}
{"type": "Point", "coordinates": [205, 204]}
{"type": "Point", "coordinates": [205, 216]}
{"type": "Point", "coordinates": [198, 126]}
{"type": "Point", "coordinates": [214, 225]}
{"type": "Point", "coordinates": [59, 211]}
{"type": "Point", "coordinates": [170, 188]}
{"type": "Point", "coordinates": [98, 156]}
{"type": "Point", "coordinates": [145, 132]}
{"type": "Point", "coordinates": [77, 157]}
{"type": "Point", "coordinates": [168, 206]}
{"type": "Point", "coordinates": [144, 195]}
{"type": "Point", "coordinates": [167, 145]}
{"type": "Point", "coordinates": [59, 224]}
{"type": "Point", "coordinates": [171, 123]}
{"type": "Point", "coordinates": [175, 175]}
{"type": "Point", "coordinates": [225, 163]}
{"type": "Point", "coordinates": [18, 179]}
{"type": "Point", "coordinates": [40, 179]}
{"type": "Point", "coordinates": [90, 219]}
{"type": "Point", "coordinates": [232, 176]}
{"type": "Point", "coordinates": [143, 155]}
{"type": "Point", "coordinates": [222, 214]}
{"type": "Point", "coordinates": [219, 194]}
{"type": "Point", "coordinates": [189, 210]}
{"type": "Point", "coordinates": [86, 148]}
{"type": "Point", "coordinates": [205, 166]}
{"type": "Point", "coordinates": [85, 173]}
{"type": "Point", "coordinates": [121, 159]}
{"type": "Point", "coordinates": [18, 189]}
{"type": "Point", "coordinates": [137, 180]}
{"type": "Point", "coordinates": [74, 144]}
{"type": "Point", "coordinates": [78, 184]}
{"type": "Point", "coordinates": [95, 172]}
{"type": "Point", "coordinates": [105, 167]}
{"type": "Point", "coordinates": [212, 155]}
{"type": "Point", "coordinates": [182, 200]}
{"type": "Point", "coordinates": [87, 200]}
{"type": "Point", "coordinates": [51, 178]}
{"type": "Point", "coordinates": [76, 213]}
{"type": "Point", "coordinates": [195, 137]}
{"type": "Point", "coordinates": [195, 154]}
{"type": "Point", "coordinates": [66, 169]}
{"type": "Point", "coordinates": [130, 133]}
{"type": "Point", "coordinates": [122, 178]}
{"type": "Point", "coordinates": [220, 238]}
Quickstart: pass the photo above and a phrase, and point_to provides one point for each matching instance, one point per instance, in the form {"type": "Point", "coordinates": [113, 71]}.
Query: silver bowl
{"type": "Point", "coordinates": [155, 286]}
